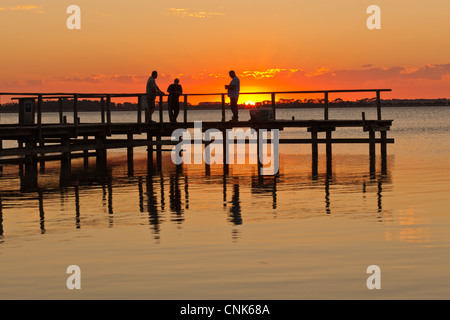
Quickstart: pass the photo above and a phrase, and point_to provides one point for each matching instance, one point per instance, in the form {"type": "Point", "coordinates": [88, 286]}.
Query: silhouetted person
{"type": "Point", "coordinates": [174, 90]}
{"type": "Point", "coordinates": [152, 91]}
{"type": "Point", "coordinates": [233, 92]}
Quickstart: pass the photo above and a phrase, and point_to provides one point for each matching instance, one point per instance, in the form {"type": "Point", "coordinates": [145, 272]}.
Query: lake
{"type": "Point", "coordinates": [191, 234]}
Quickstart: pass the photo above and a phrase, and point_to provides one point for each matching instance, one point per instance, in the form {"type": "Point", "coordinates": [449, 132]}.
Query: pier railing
{"type": "Point", "coordinates": [105, 102]}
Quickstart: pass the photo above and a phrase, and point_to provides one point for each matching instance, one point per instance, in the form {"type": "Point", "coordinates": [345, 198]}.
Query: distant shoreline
{"type": "Point", "coordinates": [245, 108]}
{"type": "Point", "coordinates": [94, 106]}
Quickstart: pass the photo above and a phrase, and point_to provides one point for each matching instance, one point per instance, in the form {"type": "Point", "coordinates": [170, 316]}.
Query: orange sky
{"type": "Point", "coordinates": [273, 46]}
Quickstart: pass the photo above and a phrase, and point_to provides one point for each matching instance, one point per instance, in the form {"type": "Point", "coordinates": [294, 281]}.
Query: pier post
{"type": "Point", "coordinates": [161, 116]}
{"type": "Point", "coordinates": [383, 151]}
{"type": "Point", "coordinates": [39, 117]}
{"type": "Point", "coordinates": [159, 153]}
{"type": "Point", "coordinates": [150, 154]}
{"type": "Point", "coordinates": [139, 113]}
{"type": "Point", "coordinates": [42, 161]}
{"type": "Point", "coordinates": [372, 150]}
{"type": "Point", "coordinates": [66, 159]}
{"type": "Point", "coordinates": [223, 108]}
{"type": "Point", "coordinates": [185, 108]}
{"type": "Point", "coordinates": [207, 158]}
{"type": "Point", "coordinates": [329, 152]}
{"type": "Point", "coordinates": [130, 154]}
{"type": "Point", "coordinates": [259, 139]}
{"type": "Point", "coordinates": [225, 147]}
{"type": "Point", "coordinates": [86, 153]}
{"type": "Point", "coordinates": [29, 180]}
{"type": "Point", "coordinates": [378, 106]}
{"type": "Point", "coordinates": [101, 153]}
{"type": "Point", "coordinates": [108, 114]}
{"type": "Point", "coordinates": [326, 106]}
{"type": "Point", "coordinates": [274, 106]}
{"type": "Point", "coordinates": [60, 110]}
{"type": "Point", "coordinates": [30, 158]}
{"type": "Point", "coordinates": [315, 152]}
{"type": "Point", "coordinates": [75, 114]}
{"type": "Point", "coordinates": [102, 110]}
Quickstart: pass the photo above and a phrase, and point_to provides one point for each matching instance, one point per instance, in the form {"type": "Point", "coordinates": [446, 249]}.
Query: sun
{"type": "Point", "coordinates": [249, 103]}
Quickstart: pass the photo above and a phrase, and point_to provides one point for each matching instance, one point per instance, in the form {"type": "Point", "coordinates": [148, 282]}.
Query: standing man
{"type": "Point", "coordinates": [152, 91]}
{"type": "Point", "coordinates": [174, 90]}
{"type": "Point", "coordinates": [233, 92]}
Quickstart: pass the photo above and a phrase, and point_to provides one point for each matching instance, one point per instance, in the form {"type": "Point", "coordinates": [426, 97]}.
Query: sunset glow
{"type": "Point", "coordinates": [270, 48]}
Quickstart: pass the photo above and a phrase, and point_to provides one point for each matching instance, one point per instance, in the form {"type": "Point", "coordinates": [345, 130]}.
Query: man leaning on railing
{"type": "Point", "coordinates": [152, 91]}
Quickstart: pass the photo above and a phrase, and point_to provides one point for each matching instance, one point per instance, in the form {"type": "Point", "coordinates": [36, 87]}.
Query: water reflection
{"type": "Point", "coordinates": [167, 191]}
{"type": "Point", "coordinates": [152, 207]}
{"type": "Point", "coordinates": [235, 216]}
{"type": "Point", "coordinates": [266, 185]}
{"type": "Point", "coordinates": [175, 198]}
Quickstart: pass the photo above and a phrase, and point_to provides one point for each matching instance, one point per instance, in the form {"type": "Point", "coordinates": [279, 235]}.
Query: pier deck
{"type": "Point", "coordinates": [38, 141]}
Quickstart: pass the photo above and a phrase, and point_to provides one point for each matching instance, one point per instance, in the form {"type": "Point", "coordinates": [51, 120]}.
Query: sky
{"type": "Point", "coordinates": [282, 45]}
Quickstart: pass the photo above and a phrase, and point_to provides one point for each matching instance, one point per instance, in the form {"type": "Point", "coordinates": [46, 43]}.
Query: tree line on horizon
{"type": "Point", "coordinates": [95, 105]}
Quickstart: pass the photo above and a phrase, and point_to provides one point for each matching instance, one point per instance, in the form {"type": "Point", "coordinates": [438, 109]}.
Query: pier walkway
{"type": "Point", "coordinates": [38, 142]}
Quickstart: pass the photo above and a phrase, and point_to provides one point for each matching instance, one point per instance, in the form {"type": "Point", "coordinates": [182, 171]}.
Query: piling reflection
{"type": "Point", "coordinates": [164, 194]}
{"type": "Point", "coordinates": [235, 216]}
{"type": "Point", "coordinates": [152, 207]}
{"type": "Point", "coordinates": [1, 219]}
{"type": "Point", "coordinates": [175, 198]}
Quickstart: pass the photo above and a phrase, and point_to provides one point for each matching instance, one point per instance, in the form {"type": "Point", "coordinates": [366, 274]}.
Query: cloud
{"type": "Point", "coordinates": [269, 73]}
{"type": "Point", "coordinates": [186, 13]}
{"type": "Point", "coordinates": [409, 81]}
{"type": "Point", "coordinates": [27, 7]}
{"type": "Point", "coordinates": [98, 78]}
{"type": "Point", "coordinates": [434, 72]}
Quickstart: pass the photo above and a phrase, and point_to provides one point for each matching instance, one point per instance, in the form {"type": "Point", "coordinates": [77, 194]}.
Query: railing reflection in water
{"type": "Point", "coordinates": [167, 190]}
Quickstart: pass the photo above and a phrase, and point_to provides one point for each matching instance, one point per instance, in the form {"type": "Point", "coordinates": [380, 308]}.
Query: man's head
{"type": "Point", "coordinates": [176, 81]}
{"type": "Point", "coordinates": [232, 74]}
{"type": "Point", "coordinates": [155, 74]}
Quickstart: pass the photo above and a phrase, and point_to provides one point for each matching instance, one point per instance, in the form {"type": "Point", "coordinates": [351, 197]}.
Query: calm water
{"type": "Point", "coordinates": [191, 235]}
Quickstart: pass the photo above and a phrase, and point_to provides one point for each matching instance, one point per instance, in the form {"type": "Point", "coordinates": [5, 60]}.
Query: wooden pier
{"type": "Point", "coordinates": [38, 142]}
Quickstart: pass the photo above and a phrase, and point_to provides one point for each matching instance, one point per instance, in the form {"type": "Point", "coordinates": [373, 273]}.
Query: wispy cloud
{"type": "Point", "coordinates": [269, 73]}
{"type": "Point", "coordinates": [197, 14]}
{"type": "Point", "coordinates": [26, 7]}
{"type": "Point", "coordinates": [410, 81]}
